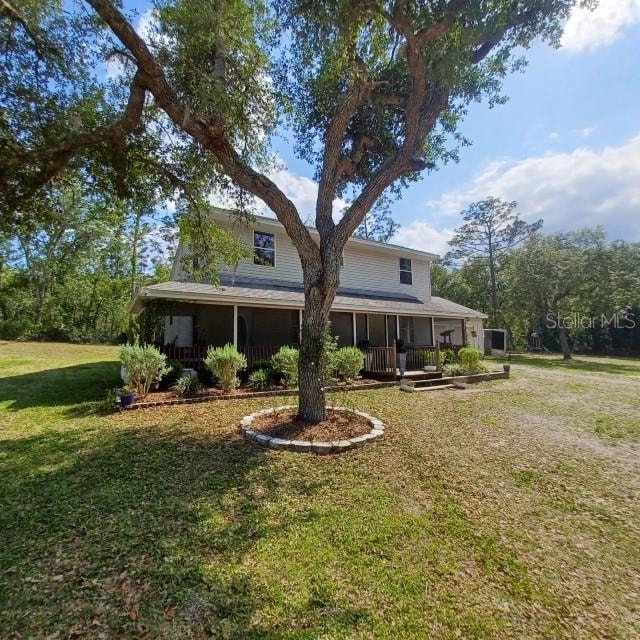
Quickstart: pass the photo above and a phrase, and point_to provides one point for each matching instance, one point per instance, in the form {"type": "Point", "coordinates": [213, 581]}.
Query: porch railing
{"type": "Point", "coordinates": [380, 360]}
{"type": "Point", "coordinates": [257, 353]}
{"type": "Point", "coordinates": [420, 356]}
{"type": "Point", "coordinates": [192, 356]}
{"type": "Point", "coordinates": [187, 356]}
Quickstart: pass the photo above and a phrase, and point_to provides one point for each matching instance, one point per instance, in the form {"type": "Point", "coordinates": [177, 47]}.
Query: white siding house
{"type": "Point", "coordinates": [384, 296]}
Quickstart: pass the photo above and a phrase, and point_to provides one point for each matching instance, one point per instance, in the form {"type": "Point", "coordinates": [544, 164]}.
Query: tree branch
{"type": "Point", "coordinates": [115, 131]}
{"type": "Point", "coordinates": [208, 132]}
{"type": "Point", "coordinates": [40, 44]}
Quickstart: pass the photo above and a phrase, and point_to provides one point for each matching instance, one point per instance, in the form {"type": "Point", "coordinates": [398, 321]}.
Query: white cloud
{"type": "Point", "coordinates": [587, 131]}
{"type": "Point", "coordinates": [146, 23]}
{"type": "Point", "coordinates": [554, 135]}
{"type": "Point", "coordinates": [587, 29]}
{"type": "Point", "coordinates": [301, 190]}
{"type": "Point", "coordinates": [586, 187]}
{"type": "Point", "coordinates": [424, 236]}
{"type": "Point", "coordinates": [144, 26]}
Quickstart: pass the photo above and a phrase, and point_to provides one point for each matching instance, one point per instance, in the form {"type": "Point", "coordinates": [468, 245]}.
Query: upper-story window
{"type": "Point", "coordinates": [264, 249]}
{"type": "Point", "coordinates": [406, 277]}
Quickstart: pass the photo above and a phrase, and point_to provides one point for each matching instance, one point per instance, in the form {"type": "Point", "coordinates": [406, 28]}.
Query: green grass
{"type": "Point", "coordinates": [472, 518]}
{"type": "Point", "coordinates": [580, 363]}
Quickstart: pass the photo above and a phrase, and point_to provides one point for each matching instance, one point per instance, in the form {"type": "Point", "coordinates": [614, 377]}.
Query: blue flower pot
{"type": "Point", "coordinates": [127, 399]}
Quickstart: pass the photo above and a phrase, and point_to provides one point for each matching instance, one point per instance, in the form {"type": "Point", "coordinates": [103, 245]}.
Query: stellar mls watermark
{"type": "Point", "coordinates": [577, 320]}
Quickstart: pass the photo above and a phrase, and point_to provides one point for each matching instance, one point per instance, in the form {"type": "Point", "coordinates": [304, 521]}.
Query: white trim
{"type": "Point", "coordinates": [235, 326]}
{"type": "Point", "coordinates": [353, 315]}
{"type": "Point", "coordinates": [253, 254]}
{"type": "Point", "coordinates": [401, 271]}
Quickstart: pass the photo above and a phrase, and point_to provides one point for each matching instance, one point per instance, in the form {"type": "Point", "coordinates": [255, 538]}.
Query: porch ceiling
{"type": "Point", "coordinates": [288, 295]}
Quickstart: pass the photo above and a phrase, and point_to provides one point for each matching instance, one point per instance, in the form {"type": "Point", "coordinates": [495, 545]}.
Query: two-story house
{"type": "Point", "coordinates": [384, 295]}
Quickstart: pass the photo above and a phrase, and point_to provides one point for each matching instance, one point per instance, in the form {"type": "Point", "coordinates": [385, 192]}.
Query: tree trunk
{"type": "Point", "coordinates": [320, 290]}
{"type": "Point", "coordinates": [495, 313]}
{"type": "Point", "coordinates": [564, 343]}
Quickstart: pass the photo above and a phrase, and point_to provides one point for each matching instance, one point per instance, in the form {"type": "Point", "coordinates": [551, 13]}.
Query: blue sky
{"type": "Point", "coordinates": [566, 146]}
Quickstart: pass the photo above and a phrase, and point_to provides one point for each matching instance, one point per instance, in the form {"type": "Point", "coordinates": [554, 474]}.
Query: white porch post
{"type": "Point", "coordinates": [235, 326]}
{"type": "Point", "coordinates": [433, 332]}
{"type": "Point", "coordinates": [300, 325]}
{"type": "Point", "coordinates": [397, 327]}
{"type": "Point", "coordinates": [355, 340]}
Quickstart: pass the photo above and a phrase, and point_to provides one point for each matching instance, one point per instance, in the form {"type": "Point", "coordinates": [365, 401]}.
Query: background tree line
{"type": "Point", "coordinates": [568, 288]}
{"type": "Point", "coordinates": [69, 274]}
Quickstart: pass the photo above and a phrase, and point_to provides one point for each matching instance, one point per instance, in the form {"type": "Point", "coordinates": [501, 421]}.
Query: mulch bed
{"type": "Point", "coordinates": [164, 395]}
{"type": "Point", "coordinates": [339, 425]}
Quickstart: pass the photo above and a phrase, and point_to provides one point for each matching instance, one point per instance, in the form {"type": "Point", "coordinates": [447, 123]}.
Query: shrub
{"type": "Point", "coordinates": [260, 379]}
{"type": "Point", "coordinates": [285, 362]}
{"type": "Point", "coordinates": [330, 357]}
{"type": "Point", "coordinates": [187, 387]}
{"type": "Point", "coordinates": [447, 356]}
{"type": "Point", "coordinates": [205, 377]}
{"type": "Point", "coordinates": [144, 366]}
{"type": "Point", "coordinates": [454, 369]}
{"type": "Point", "coordinates": [259, 364]}
{"type": "Point", "coordinates": [174, 373]}
{"type": "Point", "coordinates": [471, 360]}
{"type": "Point", "coordinates": [349, 363]}
{"type": "Point", "coordinates": [224, 363]}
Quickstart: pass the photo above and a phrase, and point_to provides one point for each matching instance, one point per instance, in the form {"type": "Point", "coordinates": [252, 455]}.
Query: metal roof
{"type": "Point", "coordinates": [284, 294]}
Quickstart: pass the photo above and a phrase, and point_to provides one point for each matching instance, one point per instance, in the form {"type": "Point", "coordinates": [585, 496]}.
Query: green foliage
{"type": "Point", "coordinates": [260, 379]}
{"type": "Point", "coordinates": [491, 228]}
{"type": "Point", "coordinates": [285, 363]}
{"type": "Point", "coordinates": [225, 363]}
{"type": "Point", "coordinates": [330, 356]}
{"type": "Point", "coordinates": [144, 366]}
{"type": "Point", "coordinates": [187, 387]}
{"type": "Point", "coordinates": [471, 360]}
{"type": "Point", "coordinates": [174, 373]}
{"type": "Point", "coordinates": [454, 369]}
{"type": "Point", "coordinates": [210, 246]}
{"type": "Point", "coordinates": [447, 356]}
{"type": "Point", "coordinates": [349, 363]}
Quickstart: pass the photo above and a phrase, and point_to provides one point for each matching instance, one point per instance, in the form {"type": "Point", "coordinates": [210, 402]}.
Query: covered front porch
{"type": "Point", "coordinates": [259, 331]}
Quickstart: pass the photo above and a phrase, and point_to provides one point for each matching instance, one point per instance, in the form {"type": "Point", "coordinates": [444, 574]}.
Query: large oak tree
{"type": "Point", "coordinates": [373, 90]}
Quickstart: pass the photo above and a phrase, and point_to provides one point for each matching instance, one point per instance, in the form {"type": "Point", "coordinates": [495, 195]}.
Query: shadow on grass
{"type": "Point", "coordinates": [139, 531]}
{"type": "Point", "coordinates": [70, 386]}
{"type": "Point", "coordinates": [579, 364]}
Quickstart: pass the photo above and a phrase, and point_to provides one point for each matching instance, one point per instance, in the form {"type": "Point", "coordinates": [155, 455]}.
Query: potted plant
{"type": "Point", "coordinates": [127, 396]}
{"type": "Point", "coordinates": [401, 350]}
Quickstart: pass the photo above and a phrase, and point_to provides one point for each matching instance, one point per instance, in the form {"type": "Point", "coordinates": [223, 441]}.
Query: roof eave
{"type": "Point", "coordinates": [137, 304]}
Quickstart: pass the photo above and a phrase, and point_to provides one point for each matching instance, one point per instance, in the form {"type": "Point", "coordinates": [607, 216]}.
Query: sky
{"type": "Point", "coordinates": [566, 145]}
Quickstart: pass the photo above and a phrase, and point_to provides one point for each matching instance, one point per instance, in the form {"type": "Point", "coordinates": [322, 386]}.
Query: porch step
{"type": "Point", "coordinates": [421, 383]}
{"type": "Point", "coordinates": [433, 387]}
{"type": "Point", "coordinates": [422, 375]}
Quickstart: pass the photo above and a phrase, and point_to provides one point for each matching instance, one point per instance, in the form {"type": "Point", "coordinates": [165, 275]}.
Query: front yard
{"type": "Point", "coordinates": [507, 510]}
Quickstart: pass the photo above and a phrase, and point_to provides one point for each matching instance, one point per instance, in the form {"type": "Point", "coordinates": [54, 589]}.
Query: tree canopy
{"type": "Point", "coordinates": [373, 90]}
{"type": "Point", "coordinates": [491, 228]}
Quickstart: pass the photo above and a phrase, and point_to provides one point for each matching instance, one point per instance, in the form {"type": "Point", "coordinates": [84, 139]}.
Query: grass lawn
{"type": "Point", "coordinates": [508, 510]}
